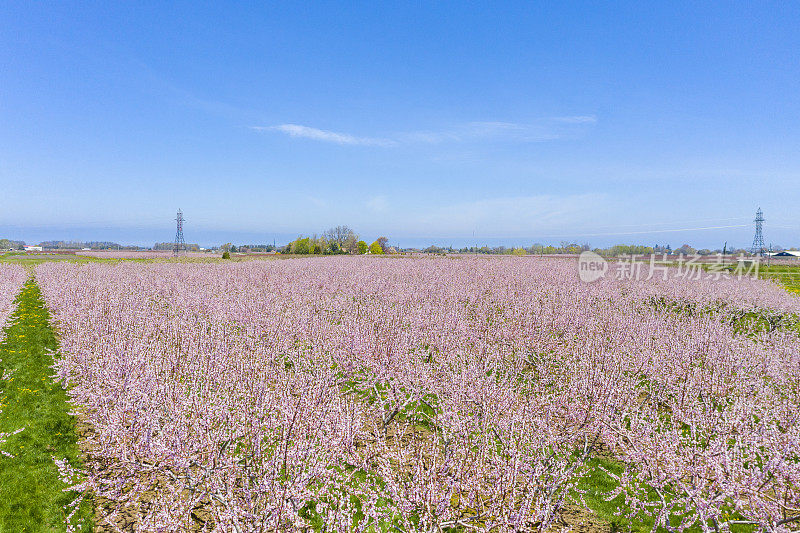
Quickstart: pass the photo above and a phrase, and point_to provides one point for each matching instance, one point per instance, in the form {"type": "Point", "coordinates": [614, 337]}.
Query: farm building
{"type": "Point", "coordinates": [787, 253]}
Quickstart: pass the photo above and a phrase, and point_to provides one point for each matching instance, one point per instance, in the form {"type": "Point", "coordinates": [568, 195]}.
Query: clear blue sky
{"type": "Point", "coordinates": [425, 122]}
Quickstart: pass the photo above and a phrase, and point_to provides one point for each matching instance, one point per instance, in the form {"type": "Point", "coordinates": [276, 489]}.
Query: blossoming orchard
{"type": "Point", "coordinates": [423, 394]}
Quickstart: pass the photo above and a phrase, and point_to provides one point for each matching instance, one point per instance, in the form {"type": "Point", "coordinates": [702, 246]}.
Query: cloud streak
{"type": "Point", "coordinates": [577, 119]}
{"type": "Point", "coordinates": [306, 132]}
{"type": "Point", "coordinates": [542, 130]}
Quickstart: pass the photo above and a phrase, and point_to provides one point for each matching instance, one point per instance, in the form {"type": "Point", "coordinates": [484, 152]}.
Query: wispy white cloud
{"type": "Point", "coordinates": [577, 119]}
{"type": "Point", "coordinates": [545, 129]}
{"type": "Point", "coordinates": [306, 132]}
{"type": "Point", "coordinates": [466, 132]}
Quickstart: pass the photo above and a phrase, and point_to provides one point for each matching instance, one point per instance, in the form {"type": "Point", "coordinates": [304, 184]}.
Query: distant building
{"type": "Point", "coordinates": [787, 253]}
{"type": "Point", "coordinates": [29, 248]}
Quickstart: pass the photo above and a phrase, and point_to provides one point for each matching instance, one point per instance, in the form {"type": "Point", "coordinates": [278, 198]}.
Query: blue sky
{"type": "Point", "coordinates": [443, 122]}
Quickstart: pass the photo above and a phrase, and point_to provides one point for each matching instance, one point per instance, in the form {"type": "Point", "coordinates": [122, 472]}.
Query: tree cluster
{"type": "Point", "coordinates": [7, 244]}
{"type": "Point", "coordinates": [336, 240]}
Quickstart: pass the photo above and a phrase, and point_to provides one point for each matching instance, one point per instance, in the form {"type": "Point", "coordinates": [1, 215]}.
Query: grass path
{"type": "Point", "coordinates": [31, 491]}
{"type": "Point", "coordinates": [787, 275]}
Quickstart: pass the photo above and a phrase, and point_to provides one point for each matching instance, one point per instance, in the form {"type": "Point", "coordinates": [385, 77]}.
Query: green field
{"type": "Point", "coordinates": [788, 275]}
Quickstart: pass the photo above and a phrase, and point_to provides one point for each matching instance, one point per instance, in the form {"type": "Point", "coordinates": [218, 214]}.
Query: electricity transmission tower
{"type": "Point", "coordinates": [180, 244]}
{"type": "Point", "coordinates": [758, 240]}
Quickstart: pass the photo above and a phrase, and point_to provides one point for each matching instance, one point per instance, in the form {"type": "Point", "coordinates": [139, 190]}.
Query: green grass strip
{"type": "Point", "coordinates": [787, 275]}
{"type": "Point", "coordinates": [31, 491]}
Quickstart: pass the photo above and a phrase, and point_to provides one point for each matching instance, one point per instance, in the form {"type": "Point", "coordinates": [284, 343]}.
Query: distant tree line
{"type": "Point", "coordinates": [79, 245]}
{"type": "Point", "coordinates": [343, 240]}
{"type": "Point", "coordinates": [165, 246]}
{"type": "Point", "coordinates": [538, 249]}
{"type": "Point", "coordinates": [256, 248]}
{"type": "Point", "coordinates": [622, 249]}
{"type": "Point", "coordinates": [575, 248]}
